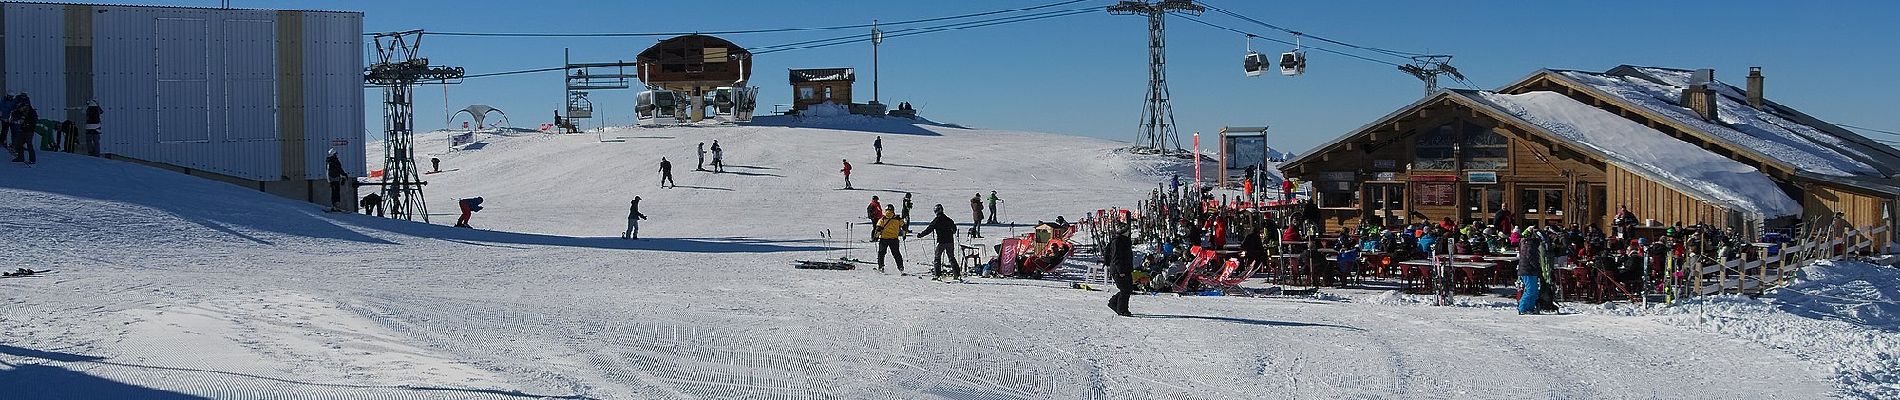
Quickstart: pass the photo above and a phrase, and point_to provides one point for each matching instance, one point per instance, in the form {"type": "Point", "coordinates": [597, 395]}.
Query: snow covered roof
{"type": "Point", "coordinates": [1777, 133]}
{"type": "Point", "coordinates": [1645, 151]}
{"type": "Point", "coordinates": [824, 75]}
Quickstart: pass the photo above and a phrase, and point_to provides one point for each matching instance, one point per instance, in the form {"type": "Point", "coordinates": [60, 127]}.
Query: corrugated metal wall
{"type": "Point", "coordinates": [36, 55]}
{"type": "Point", "coordinates": [333, 90]}
{"type": "Point", "coordinates": [197, 88]}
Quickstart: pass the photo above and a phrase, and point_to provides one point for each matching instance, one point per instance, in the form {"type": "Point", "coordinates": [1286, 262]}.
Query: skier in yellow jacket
{"type": "Point", "coordinates": [889, 231]}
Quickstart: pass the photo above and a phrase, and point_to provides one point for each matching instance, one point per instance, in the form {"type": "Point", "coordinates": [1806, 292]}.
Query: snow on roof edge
{"type": "Point", "coordinates": [1646, 151]}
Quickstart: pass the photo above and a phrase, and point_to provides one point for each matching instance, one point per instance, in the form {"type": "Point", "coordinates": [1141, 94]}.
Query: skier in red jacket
{"type": "Point", "coordinates": [873, 213]}
{"type": "Point", "coordinates": [847, 174]}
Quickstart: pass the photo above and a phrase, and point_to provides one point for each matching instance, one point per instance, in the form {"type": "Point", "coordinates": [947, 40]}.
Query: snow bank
{"type": "Point", "coordinates": [1771, 135]}
{"type": "Point", "coordinates": [1841, 315]}
{"type": "Point", "coordinates": [827, 109]}
{"type": "Point", "coordinates": [1853, 292]}
{"type": "Point", "coordinates": [1651, 153]}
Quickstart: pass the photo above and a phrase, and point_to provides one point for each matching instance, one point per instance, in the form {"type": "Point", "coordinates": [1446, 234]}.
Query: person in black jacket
{"type": "Point", "coordinates": [633, 220]}
{"type": "Point", "coordinates": [946, 231]}
{"type": "Point", "coordinates": [1530, 271]}
{"type": "Point", "coordinates": [337, 178]}
{"type": "Point", "coordinates": [1121, 263]}
{"type": "Point", "coordinates": [26, 122]}
{"type": "Point", "coordinates": [666, 173]}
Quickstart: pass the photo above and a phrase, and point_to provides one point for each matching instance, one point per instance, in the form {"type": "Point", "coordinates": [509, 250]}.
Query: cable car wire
{"type": "Point", "coordinates": [1869, 129]}
{"type": "Point", "coordinates": [1221, 27]}
{"type": "Point", "coordinates": [1394, 53]}
{"type": "Point", "coordinates": [749, 31]}
{"type": "Point", "coordinates": [810, 44]}
{"type": "Point", "coordinates": [917, 31]}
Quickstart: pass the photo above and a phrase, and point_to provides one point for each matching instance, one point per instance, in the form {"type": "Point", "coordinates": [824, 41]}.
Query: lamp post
{"type": "Point", "coordinates": [877, 38]}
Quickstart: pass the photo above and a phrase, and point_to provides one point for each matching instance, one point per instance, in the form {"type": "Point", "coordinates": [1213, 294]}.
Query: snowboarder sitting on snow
{"type": "Point", "coordinates": [946, 230]}
{"type": "Point", "coordinates": [889, 231]}
{"type": "Point", "coordinates": [469, 205]}
{"type": "Point", "coordinates": [633, 220]}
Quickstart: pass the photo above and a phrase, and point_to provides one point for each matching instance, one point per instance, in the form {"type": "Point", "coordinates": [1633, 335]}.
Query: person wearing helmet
{"type": "Point", "coordinates": [889, 231]}
{"type": "Point", "coordinates": [946, 231]}
{"type": "Point", "coordinates": [337, 178]}
{"type": "Point", "coordinates": [1121, 264]}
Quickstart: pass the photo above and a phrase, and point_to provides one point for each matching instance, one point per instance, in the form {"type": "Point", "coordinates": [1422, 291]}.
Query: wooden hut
{"type": "Point", "coordinates": [819, 85]}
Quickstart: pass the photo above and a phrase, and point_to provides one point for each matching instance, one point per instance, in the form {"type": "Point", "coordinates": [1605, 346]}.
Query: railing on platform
{"type": "Point", "coordinates": [1765, 266]}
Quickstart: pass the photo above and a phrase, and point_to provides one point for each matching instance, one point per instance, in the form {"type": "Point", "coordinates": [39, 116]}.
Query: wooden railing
{"type": "Point", "coordinates": [1766, 267]}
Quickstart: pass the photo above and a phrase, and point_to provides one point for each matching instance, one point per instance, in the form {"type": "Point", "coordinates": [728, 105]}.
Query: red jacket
{"type": "Point", "coordinates": [874, 211]}
{"type": "Point", "coordinates": [847, 169]}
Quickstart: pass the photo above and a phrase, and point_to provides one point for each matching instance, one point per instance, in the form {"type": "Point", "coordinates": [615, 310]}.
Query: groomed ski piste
{"type": "Point", "coordinates": [169, 286]}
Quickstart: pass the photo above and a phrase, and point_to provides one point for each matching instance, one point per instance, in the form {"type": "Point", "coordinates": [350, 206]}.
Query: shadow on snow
{"type": "Point", "coordinates": [40, 381]}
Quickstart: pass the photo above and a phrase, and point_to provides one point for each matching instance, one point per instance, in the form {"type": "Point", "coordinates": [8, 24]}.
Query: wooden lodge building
{"type": "Point", "coordinates": [1563, 147]}
{"type": "Point", "coordinates": [819, 85]}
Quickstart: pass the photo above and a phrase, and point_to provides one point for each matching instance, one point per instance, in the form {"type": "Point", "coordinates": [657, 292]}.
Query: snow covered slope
{"type": "Point", "coordinates": [173, 287]}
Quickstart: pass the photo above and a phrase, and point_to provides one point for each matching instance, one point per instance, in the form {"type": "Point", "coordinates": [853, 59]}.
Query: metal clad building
{"type": "Point", "coordinates": [251, 97]}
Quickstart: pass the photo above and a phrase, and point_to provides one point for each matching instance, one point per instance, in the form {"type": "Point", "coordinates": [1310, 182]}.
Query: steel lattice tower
{"type": "Point", "coordinates": [1156, 132]}
{"type": "Point", "coordinates": [397, 70]}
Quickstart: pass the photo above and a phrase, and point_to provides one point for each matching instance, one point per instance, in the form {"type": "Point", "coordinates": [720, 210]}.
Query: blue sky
{"type": "Point", "coordinates": [1085, 74]}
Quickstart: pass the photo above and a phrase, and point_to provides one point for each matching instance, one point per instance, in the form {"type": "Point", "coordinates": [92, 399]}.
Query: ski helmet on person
{"type": "Point", "coordinates": [332, 151]}
{"type": "Point", "coordinates": [939, 208]}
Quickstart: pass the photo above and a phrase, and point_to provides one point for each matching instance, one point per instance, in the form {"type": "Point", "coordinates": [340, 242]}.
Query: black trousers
{"type": "Point", "coordinates": [897, 252]}
{"type": "Point", "coordinates": [945, 250]}
{"type": "Point", "coordinates": [1125, 287]}
{"type": "Point", "coordinates": [336, 192]}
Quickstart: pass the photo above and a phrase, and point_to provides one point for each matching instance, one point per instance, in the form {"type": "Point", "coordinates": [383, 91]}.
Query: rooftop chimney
{"type": "Point", "coordinates": [1699, 97]}
{"type": "Point", "coordinates": [1754, 87]}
